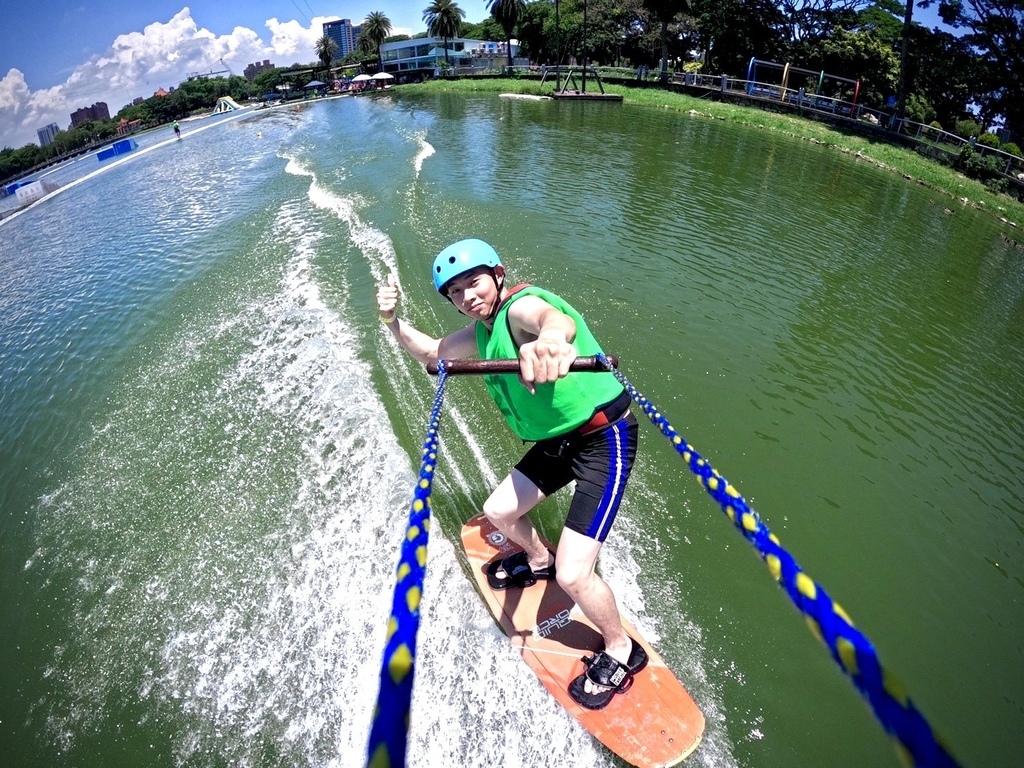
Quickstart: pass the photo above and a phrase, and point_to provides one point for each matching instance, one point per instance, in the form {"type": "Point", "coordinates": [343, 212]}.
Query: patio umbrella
{"type": "Point", "coordinates": [383, 76]}
{"type": "Point", "coordinates": [360, 78]}
{"type": "Point", "coordinates": [313, 84]}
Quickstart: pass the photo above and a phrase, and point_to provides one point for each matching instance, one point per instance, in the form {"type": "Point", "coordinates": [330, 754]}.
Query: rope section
{"type": "Point", "coordinates": [915, 741]}
{"type": "Point", "coordinates": [389, 733]}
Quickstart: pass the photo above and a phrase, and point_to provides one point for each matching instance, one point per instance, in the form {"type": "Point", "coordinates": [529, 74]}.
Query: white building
{"type": "Point", "coordinates": [423, 55]}
{"type": "Point", "coordinates": [46, 134]}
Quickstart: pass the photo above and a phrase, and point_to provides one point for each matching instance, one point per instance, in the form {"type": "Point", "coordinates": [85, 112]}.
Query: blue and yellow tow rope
{"type": "Point", "coordinates": [389, 732]}
{"type": "Point", "coordinates": [916, 742]}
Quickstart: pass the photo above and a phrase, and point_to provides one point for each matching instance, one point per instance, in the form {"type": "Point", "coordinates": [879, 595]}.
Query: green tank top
{"type": "Point", "coordinates": [557, 407]}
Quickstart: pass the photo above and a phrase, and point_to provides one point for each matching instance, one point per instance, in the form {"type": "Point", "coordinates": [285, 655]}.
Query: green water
{"type": "Point", "coordinates": [209, 442]}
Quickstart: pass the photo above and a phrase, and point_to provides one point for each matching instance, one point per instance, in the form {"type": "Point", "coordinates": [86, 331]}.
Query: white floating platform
{"type": "Point", "coordinates": [527, 96]}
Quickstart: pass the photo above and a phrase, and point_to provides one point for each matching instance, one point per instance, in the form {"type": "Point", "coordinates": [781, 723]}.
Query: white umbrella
{"type": "Point", "coordinates": [383, 76]}
{"type": "Point", "coordinates": [360, 78]}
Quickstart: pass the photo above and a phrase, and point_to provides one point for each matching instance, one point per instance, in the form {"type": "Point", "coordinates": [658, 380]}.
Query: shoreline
{"type": "Point", "coordinates": [883, 155]}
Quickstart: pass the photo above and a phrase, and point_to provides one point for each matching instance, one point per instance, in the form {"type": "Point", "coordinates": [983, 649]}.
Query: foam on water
{"type": "Point", "coordinates": [238, 531]}
{"type": "Point", "coordinates": [379, 252]}
{"type": "Point", "coordinates": [425, 151]}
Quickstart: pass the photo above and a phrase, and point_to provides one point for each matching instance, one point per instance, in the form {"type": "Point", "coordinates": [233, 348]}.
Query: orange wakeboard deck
{"type": "Point", "coordinates": [655, 723]}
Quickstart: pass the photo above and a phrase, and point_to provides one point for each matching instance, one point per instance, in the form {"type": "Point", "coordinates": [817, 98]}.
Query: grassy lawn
{"type": "Point", "coordinates": [913, 167]}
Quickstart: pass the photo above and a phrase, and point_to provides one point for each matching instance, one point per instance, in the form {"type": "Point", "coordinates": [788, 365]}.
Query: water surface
{"type": "Point", "coordinates": [209, 442]}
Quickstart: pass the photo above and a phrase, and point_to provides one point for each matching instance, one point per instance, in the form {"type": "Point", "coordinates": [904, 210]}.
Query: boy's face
{"type": "Point", "coordinates": [475, 293]}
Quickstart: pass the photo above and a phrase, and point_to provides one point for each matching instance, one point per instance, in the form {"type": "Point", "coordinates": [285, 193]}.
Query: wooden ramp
{"type": "Point", "coordinates": [655, 723]}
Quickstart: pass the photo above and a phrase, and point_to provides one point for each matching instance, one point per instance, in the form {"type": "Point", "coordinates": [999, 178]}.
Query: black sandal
{"type": "Point", "coordinates": [613, 675]}
{"type": "Point", "coordinates": [518, 572]}
{"type": "Point", "coordinates": [637, 657]}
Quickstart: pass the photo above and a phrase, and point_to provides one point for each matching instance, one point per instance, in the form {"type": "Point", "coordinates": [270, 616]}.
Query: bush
{"type": "Point", "coordinates": [967, 129]}
{"type": "Point", "coordinates": [985, 168]}
{"type": "Point", "coordinates": [919, 109]}
{"type": "Point", "coordinates": [1011, 149]}
{"type": "Point", "coordinates": [989, 140]}
{"type": "Point", "coordinates": [1000, 186]}
{"type": "Point", "coordinates": [936, 125]}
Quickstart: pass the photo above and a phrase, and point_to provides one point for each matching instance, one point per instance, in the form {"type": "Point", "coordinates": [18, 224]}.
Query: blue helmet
{"type": "Point", "coordinates": [459, 258]}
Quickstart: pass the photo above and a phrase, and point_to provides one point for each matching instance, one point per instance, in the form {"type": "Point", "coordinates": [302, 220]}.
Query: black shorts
{"type": "Point", "coordinates": [599, 462]}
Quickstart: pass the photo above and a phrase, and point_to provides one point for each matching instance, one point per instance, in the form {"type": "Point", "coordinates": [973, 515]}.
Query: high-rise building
{"type": "Point", "coordinates": [46, 134]}
{"type": "Point", "coordinates": [255, 68]}
{"type": "Point", "coordinates": [97, 111]}
{"type": "Point", "coordinates": [344, 34]}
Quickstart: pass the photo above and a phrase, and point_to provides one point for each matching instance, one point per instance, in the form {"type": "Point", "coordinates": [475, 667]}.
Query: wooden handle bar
{"type": "Point", "coordinates": [471, 366]}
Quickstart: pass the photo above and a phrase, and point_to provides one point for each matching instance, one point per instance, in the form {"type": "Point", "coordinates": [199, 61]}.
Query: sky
{"type": "Point", "coordinates": [61, 55]}
{"type": "Point", "coordinates": [58, 56]}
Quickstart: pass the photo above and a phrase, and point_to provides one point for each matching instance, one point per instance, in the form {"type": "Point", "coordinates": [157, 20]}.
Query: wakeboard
{"type": "Point", "coordinates": [654, 723]}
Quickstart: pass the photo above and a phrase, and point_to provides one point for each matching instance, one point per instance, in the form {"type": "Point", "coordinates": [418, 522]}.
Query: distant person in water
{"type": "Point", "coordinates": [581, 428]}
{"type": "Point", "coordinates": [177, 130]}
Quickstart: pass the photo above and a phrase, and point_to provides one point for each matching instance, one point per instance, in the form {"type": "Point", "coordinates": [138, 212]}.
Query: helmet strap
{"type": "Point", "coordinates": [499, 282]}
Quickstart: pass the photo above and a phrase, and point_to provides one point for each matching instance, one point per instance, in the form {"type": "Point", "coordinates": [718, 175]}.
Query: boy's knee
{"type": "Point", "coordinates": [496, 513]}
{"type": "Point", "coordinates": [570, 577]}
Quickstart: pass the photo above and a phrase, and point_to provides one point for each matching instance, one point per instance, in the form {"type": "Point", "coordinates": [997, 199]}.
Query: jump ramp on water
{"type": "Point", "coordinates": [226, 104]}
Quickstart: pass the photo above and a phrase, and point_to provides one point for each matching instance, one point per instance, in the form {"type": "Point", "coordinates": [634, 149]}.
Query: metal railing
{"type": "Point", "coordinates": [926, 136]}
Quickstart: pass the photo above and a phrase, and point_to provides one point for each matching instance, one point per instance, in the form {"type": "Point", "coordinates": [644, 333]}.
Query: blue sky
{"type": "Point", "coordinates": [60, 55]}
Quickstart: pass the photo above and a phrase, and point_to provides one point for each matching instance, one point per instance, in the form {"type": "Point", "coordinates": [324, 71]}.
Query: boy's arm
{"type": "Point", "coordinates": [545, 338]}
{"type": "Point", "coordinates": [423, 348]}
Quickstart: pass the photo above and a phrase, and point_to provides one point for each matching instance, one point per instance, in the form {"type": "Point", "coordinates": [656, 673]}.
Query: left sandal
{"type": "Point", "coordinates": [518, 572]}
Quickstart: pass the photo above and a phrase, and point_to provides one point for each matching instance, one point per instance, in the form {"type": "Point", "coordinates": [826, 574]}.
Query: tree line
{"type": "Point", "coordinates": [965, 81]}
{"type": "Point", "coordinates": [976, 71]}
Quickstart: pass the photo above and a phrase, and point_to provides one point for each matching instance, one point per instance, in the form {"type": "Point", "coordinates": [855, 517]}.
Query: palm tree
{"type": "Point", "coordinates": [444, 20]}
{"type": "Point", "coordinates": [376, 29]}
{"type": "Point", "coordinates": [507, 13]}
{"type": "Point", "coordinates": [364, 44]}
{"type": "Point", "coordinates": [326, 49]}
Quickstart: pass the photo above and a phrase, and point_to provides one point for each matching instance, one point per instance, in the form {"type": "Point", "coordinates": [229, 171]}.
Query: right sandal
{"type": "Point", "coordinates": [612, 675]}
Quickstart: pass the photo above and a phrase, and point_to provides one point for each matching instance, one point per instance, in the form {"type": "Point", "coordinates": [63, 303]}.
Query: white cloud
{"type": "Point", "coordinates": [24, 110]}
{"type": "Point", "coordinates": [289, 37]}
{"type": "Point", "coordinates": [14, 93]}
{"type": "Point", "coordinates": [138, 63]}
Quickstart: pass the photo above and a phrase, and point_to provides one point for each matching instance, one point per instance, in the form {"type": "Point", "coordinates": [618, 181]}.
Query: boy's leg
{"type": "Point", "coordinates": [507, 509]}
{"type": "Point", "coordinates": [574, 567]}
{"type": "Point", "coordinates": [602, 467]}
